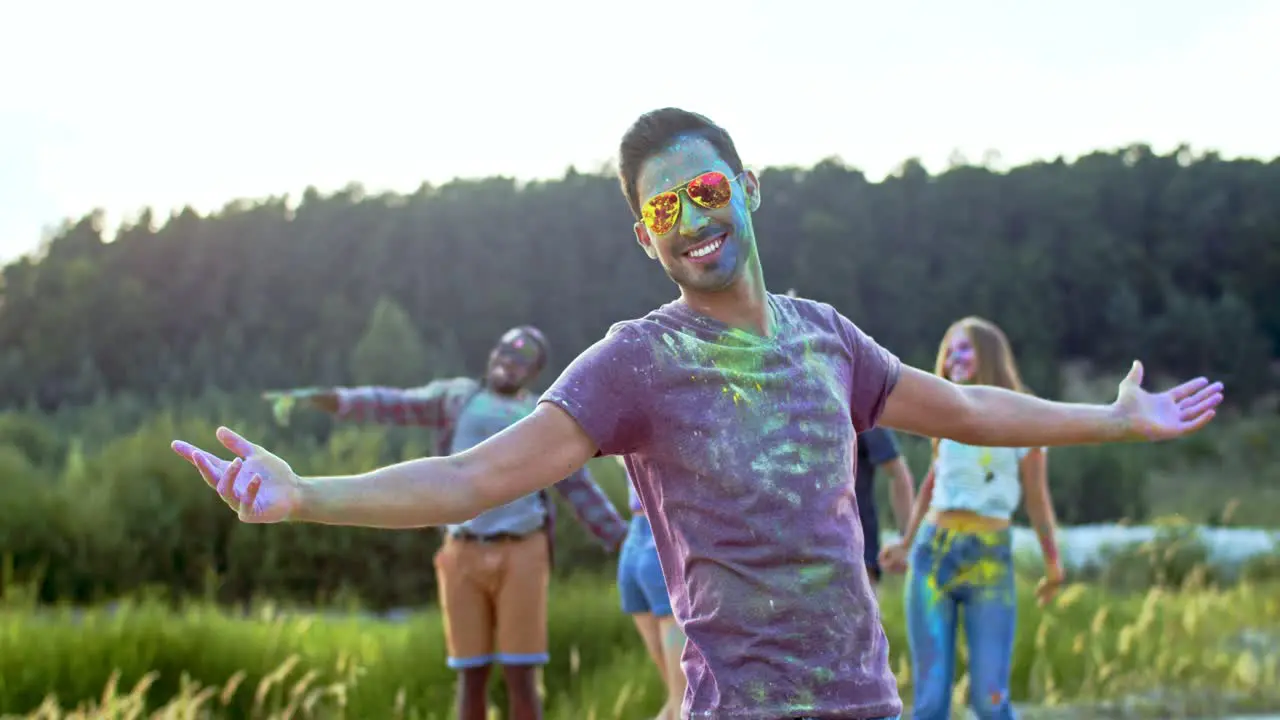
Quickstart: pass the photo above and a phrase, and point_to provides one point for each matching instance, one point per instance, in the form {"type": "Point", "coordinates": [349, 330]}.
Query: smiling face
{"type": "Point", "coordinates": [707, 249]}
{"type": "Point", "coordinates": [961, 361]}
{"type": "Point", "coordinates": [975, 351]}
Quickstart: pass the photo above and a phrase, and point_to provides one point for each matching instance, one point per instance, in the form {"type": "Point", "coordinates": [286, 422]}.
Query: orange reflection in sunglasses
{"type": "Point", "coordinates": [711, 190]}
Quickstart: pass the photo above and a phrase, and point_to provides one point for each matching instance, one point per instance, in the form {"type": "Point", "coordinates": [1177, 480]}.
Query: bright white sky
{"type": "Point", "coordinates": [123, 104]}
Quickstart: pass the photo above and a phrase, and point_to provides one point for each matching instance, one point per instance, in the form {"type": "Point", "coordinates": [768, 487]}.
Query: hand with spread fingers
{"type": "Point", "coordinates": [257, 484]}
{"type": "Point", "coordinates": [1173, 413]}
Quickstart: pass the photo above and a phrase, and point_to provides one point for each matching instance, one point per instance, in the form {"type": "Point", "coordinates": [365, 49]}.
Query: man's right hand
{"type": "Point", "coordinates": [258, 485]}
{"type": "Point", "coordinates": [283, 401]}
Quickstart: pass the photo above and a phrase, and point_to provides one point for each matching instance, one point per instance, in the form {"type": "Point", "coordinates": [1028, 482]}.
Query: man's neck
{"type": "Point", "coordinates": [507, 394]}
{"type": "Point", "coordinates": [743, 305]}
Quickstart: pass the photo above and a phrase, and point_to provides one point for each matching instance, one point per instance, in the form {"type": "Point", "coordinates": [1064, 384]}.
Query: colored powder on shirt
{"type": "Point", "coordinates": [745, 444]}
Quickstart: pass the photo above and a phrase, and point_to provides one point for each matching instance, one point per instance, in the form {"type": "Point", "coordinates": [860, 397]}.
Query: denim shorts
{"type": "Point", "coordinates": [640, 581]}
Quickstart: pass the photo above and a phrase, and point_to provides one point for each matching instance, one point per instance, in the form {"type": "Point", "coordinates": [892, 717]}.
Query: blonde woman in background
{"type": "Point", "coordinates": [960, 566]}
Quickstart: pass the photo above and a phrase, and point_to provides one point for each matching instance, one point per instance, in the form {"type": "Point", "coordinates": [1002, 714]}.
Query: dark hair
{"type": "Point", "coordinates": [654, 132]}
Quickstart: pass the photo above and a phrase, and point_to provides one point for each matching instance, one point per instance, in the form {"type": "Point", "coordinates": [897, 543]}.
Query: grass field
{"type": "Point", "coordinates": [1196, 649]}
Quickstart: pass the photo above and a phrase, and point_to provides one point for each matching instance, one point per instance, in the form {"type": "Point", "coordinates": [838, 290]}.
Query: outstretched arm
{"type": "Point", "coordinates": [928, 405]}
{"type": "Point", "coordinates": [422, 407]}
{"type": "Point", "coordinates": [599, 402]}
{"type": "Point", "coordinates": [534, 453]}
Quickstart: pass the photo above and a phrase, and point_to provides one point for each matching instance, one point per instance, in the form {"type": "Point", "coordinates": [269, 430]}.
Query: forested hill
{"type": "Point", "coordinates": [1174, 259]}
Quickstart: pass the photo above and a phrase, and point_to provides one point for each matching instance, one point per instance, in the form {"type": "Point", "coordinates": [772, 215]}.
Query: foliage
{"type": "Point", "coordinates": [391, 352]}
{"type": "Point", "coordinates": [1172, 558]}
{"type": "Point", "coordinates": [1171, 258]}
{"type": "Point", "coordinates": [1169, 647]}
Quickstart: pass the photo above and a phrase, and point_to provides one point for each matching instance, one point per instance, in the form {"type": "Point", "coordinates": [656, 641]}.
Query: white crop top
{"type": "Point", "coordinates": [982, 480]}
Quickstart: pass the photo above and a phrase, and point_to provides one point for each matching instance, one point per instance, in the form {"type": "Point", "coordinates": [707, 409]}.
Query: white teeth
{"type": "Point", "coordinates": [703, 252]}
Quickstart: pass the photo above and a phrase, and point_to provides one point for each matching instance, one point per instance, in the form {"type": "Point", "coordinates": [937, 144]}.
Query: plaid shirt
{"type": "Point", "coordinates": [438, 406]}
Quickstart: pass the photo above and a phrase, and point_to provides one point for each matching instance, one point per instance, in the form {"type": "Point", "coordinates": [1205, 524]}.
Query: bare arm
{"type": "Point", "coordinates": [901, 489]}
{"type": "Point", "coordinates": [928, 405]}
{"type": "Point", "coordinates": [1035, 485]}
{"type": "Point", "coordinates": [534, 453]}
{"type": "Point", "coordinates": [919, 509]}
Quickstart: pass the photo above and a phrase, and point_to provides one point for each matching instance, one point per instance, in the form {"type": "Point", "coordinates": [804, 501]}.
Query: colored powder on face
{"type": "Point", "coordinates": [687, 159]}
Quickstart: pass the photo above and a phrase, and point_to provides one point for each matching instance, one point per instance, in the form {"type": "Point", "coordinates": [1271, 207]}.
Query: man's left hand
{"type": "Point", "coordinates": [1170, 414]}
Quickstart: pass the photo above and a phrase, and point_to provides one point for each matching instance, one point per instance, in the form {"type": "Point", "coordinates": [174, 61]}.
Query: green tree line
{"type": "Point", "coordinates": [1171, 258]}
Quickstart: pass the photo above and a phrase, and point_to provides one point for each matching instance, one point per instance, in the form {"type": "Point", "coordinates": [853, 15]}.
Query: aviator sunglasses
{"type": "Point", "coordinates": [712, 190]}
{"type": "Point", "coordinates": [519, 346]}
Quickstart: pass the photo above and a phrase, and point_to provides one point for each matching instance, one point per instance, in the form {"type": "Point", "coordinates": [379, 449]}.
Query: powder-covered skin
{"type": "Point", "coordinates": [742, 449]}
{"type": "Point", "coordinates": [444, 404]}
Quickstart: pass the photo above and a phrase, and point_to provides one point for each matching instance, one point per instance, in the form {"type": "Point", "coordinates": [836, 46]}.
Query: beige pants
{"type": "Point", "coordinates": [494, 599]}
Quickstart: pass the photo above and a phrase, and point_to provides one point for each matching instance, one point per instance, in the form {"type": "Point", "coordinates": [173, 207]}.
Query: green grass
{"type": "Point", "coordinates": [1089, 646]}
{"type": "Point", "coordinates": [365, 668]}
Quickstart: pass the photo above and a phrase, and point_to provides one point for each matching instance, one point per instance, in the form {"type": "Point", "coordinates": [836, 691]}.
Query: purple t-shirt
{"type": "Point", "coordinates": [742, 449]}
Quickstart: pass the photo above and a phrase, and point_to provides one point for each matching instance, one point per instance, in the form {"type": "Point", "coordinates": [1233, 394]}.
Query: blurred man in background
{"type": "Point", "coordinates": [493, 571]}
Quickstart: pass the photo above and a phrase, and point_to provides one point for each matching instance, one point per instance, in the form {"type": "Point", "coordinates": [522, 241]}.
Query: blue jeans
{"type": "Point", "coordinates": [640, 581]}
{"type": "Point", "coordinates": [967, 576]}
{"type": "Point", "coordinates": [895, 717]}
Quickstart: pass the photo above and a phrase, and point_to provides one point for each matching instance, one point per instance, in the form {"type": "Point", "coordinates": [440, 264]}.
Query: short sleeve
{"type": "Point", "coordinates": [880, 445]}
{"type": "Point", "coordinates": [606, 390]}
{"type": "Point", "coordinates": [874, 373]}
